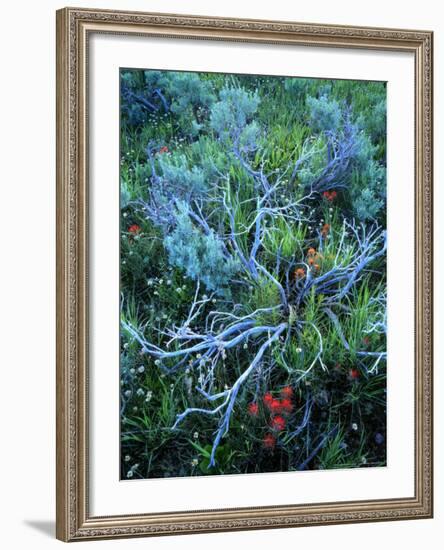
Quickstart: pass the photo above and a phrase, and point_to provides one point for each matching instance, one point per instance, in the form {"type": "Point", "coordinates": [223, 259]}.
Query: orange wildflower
{"type": "Point", "coordinates": [299, 273]}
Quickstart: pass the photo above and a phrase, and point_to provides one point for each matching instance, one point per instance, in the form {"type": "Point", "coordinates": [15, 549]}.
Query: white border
{"type": "Point", "coordinates": [108, 495]}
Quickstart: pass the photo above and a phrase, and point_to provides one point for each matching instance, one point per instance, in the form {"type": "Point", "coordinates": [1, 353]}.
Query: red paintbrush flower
{"type": "Point", "coordinates": [253, 409]}
{"type": "Point", "coordinates": [134, 228]}
{"type": "Point", "coordinates": [354, 374]}
{"type": "Point", "coordinates": [286, 405]}
{"type": "Point", "coordinates": [275, 406]}
{"type": "Point", "coordinates": [278, 423]}
{"type": "Point", "coordinates": [287, 391]}
{"type": "Point", "coordinates": [269, 441]}
{"type": "Point", "coordinates": [329, 195]}
{"type": "Point", "coordinates": [268, 398]}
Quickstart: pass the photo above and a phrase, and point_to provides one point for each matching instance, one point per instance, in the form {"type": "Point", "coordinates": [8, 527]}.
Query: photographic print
{"type": "Point", "coordinates": [253, 274]}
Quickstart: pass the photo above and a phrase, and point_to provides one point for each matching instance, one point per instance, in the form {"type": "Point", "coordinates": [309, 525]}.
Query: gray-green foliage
{"type": "Point", "coordinates": [188, 92]}
{"type": "Point", "coordinates": [181, 180]}
{"type": "Point", "coordinates": [324, 114]}
{"type": "Point", "coordinates": [231, 115]}
{"type": "Point", "coordinates": [368, 182]}
{"type": "Point", "coordinates": [184, 94]}
{"type": "Point", "coordinates": [184, 91]}
{"type": "Point", "coordinates": [201, 255]}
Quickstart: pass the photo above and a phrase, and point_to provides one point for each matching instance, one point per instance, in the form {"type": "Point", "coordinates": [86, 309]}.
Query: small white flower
{"type": "Point", "coordinates": [129, 474]}
{"type": "Point", "coordinates": [148, 397]}
{"type": "Point", "coordinates": [127, 458]}
{"type": "Point", "coordinates": [135, 409]}
{"type": "Point", "coordinates": [125, 345]}
{"type": "Point", "coordinates": [150, 282]}
{"type": "Point", "coordinates": [157, 362]}
{"type": "Point", "coordinates": [194, 462]}
{"type": "Point", "coordinates": [199, 355]}
{"type": "Point", "coordinates": [214, 300]}
{"type": "Point", "coordinates": [127, 393]}
{"type": "Point", "coordinates": [196, 435]}
{"type": "Point", "coordinates": [141, 369]}
{"type": "Point", "coordinates": [245, 346]}
{"type": "Point", "coordinates": [125, 214]}
{"type": "Point", "coordinates": [160, 281]}
{"type": "Point", "coordinates": [169, 282]}
{"type": "Point", "coordinates": [178, 290]}
{"type": "Point", "coordinates": [132, 371]}
{"type": "Point", "coordinates": [140, 391]}
{"type": "Point", "coordinates": [354, 426]}
{"type": "Point", "coordinates": [298, 350]}
{"type": "Point", "coordinates": [204, 297]}
{"type": "Point", "coordinates": [171, 387]}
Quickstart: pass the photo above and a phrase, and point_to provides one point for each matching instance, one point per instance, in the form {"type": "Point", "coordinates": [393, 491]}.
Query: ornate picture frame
{"type": "Point", "coordinates": [75, 520]}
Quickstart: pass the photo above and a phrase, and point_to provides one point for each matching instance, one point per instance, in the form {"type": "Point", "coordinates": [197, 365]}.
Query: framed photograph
{"type": "Point", "coordinates": [244, 274]}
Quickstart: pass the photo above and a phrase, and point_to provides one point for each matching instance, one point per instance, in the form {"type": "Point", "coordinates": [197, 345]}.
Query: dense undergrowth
{"type": "Point", "coordinates": [253, 271]}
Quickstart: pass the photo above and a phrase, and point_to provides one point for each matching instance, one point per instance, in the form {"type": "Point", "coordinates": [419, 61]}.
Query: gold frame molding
{"type": "Point", "coordinates": [73, 519]}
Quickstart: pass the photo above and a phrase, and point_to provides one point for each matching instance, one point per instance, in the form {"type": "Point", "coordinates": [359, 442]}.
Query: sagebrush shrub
{"type": "Point", "coordinates": [231, 114]}
{"type": "Point", "coordinates": [324, 114]}
{"type": "Point", "coordinates": [200, 255]}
